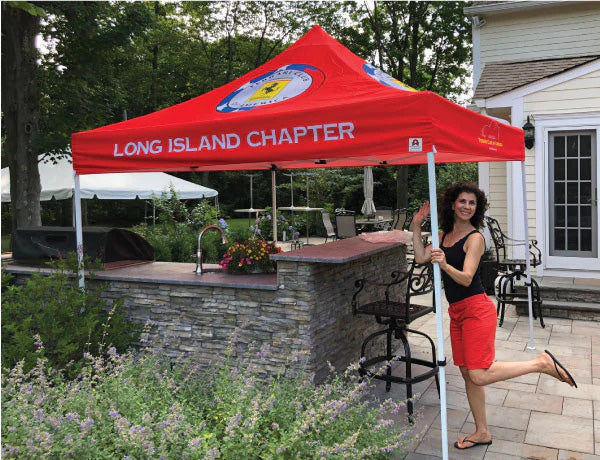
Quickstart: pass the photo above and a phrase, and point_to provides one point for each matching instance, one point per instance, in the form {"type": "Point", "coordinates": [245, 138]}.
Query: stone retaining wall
{"type": "Point", "coordinates": [309, 314]}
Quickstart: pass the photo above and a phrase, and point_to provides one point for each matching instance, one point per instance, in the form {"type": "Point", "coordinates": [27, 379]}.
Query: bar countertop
{"type": "Point", "coordinates": [335, 252]}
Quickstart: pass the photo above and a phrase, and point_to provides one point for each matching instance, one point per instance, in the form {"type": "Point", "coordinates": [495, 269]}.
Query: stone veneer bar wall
{"type": "Point", "coordinates": [309, 312]}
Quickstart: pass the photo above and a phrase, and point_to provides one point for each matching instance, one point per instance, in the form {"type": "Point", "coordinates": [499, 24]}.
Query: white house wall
{"type": "Point", "coordinates": [552, 32]}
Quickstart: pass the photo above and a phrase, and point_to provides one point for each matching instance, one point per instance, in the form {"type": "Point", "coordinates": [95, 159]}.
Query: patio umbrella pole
{"type": "Point", "coordinates": [531, 345]}
{"type": "Point", "coordinates": [274, 204]}
{"type": "Point", "coordinates": [78, 229]}
{"type": "Point", "coordinates": [437, 292]}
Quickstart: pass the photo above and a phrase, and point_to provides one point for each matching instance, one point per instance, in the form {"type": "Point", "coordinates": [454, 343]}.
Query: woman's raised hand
{"type": "Point", "coordinates": [421, 215]}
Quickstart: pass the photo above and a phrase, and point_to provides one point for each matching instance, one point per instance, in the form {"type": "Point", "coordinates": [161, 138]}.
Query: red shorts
{"type": "Point", "coordinates": [473, 331]}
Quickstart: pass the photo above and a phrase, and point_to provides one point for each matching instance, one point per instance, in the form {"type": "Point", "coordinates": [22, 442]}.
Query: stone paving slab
{"type": "Point", "coordinates": [432, 445]}
{"type": "Point", "coordinates": [540, 402]}
{"type": "Point", "coordinates": [506, 417]}
{"type": "Point", "coordinates": [570, 455]}
{"type": "Point", "coordinates": [549, 385]}
{"type": "Point", "coordinates": [522, 450]}
{"type": "Point", "coordinates": [578, 408]}
{"type": "Point", "coordinates": [561, 431]}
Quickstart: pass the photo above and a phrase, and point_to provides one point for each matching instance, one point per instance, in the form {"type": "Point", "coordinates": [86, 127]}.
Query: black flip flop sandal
{"type": "Point", "coordinates": [557, 364]}
{"type": "Point", "coordinates": [473, 444]}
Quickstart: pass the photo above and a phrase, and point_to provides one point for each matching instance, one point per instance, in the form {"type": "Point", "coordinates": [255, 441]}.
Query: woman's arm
{"type": "Point", "coordinates": [422, 253]}
{"type": "Point", "coordinates": [474, 248]}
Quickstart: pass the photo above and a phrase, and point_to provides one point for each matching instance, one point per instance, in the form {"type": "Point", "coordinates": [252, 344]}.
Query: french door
{"type": "Point", "coordinates": [573, 196]}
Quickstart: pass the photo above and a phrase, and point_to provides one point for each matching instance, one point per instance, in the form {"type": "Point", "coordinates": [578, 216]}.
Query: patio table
{"type": "Point", "coordinates": [249, 211]}
{"type": "Point", "coordinates": [372, 222]}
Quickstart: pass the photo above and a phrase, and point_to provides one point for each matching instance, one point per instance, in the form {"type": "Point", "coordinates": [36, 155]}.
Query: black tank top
{"type": "Point", "coordinates": [455, 256]}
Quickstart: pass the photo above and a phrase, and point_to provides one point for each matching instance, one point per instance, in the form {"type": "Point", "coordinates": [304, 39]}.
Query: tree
{"type": "Point", "coordinates": [20, 109]}
{"type": "Point", "coordinates": [423, 44]}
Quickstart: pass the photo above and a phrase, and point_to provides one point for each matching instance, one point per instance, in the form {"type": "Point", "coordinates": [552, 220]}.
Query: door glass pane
{"type": "Point", "coordinates": [572, 240]}
{"type": "Point", "coordinates": [586, 216]}
{"type": "Point", "coordinates": [572, 146]}
{"type": "Point", "coordinates": [586, 240]}
{"type": "Point", "coordinates": [559, 216]}
{"type": "Point", "coordinates": [572, 192]}
{"type": "Point", "coordinates": [585, 146]}
{"type": "Point", "coordinates": [572, 216]}
{"type": "Point", "coordinates": [559, 192]}
{"type": "Point", "coordinates": [572, 169]}
{"type": "Point", "coordinates": [585, 169]}
{"type": "Point", "coordinates": [559, 239]}
{"type": "Point", "coordinates": [559, 147]}
{"type": "Point", "coordinates": [585, 192]}
{"type": "Point", "coordinates": [559, 169]}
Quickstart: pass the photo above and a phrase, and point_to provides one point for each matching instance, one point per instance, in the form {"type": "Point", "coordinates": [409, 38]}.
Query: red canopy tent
{"type": "Point", "coordinates": [316, 102]}
{"type": "Point", "coordinates": [314, 105]}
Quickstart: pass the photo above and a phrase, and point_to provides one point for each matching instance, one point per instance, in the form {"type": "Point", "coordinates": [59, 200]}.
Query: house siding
{"type": "Point", "coordinates": [497, 193]}
{"type": "Point", "coordinates": [552, 32]}
{"type": "Point", "coordinates": [578, 95]}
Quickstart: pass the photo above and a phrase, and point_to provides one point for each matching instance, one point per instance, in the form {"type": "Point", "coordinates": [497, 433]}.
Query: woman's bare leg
{"type": "Point", "coordinates": [476, 397]}
{"type": "Point", "coordinates": [500, 371]}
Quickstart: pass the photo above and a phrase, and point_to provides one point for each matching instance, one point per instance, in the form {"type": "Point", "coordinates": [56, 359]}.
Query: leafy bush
{"type": "Point", "coordinates": [175, 237]}
{"type": "Point", "coordinates": [67, 320]}
{"type": "Point", "coordinates": [147, 407]}
{"type": "Point", "coordinates": [263, 225]}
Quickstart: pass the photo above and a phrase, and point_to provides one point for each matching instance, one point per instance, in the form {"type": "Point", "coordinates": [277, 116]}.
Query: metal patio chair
{"type": "Point", "coordinates": [512, 270]}
{"type": "Point", "coordinates": [329, 230]}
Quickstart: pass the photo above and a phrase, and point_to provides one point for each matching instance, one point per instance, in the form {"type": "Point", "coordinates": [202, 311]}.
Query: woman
{"type": "Point", "coordinates": [472, 313]}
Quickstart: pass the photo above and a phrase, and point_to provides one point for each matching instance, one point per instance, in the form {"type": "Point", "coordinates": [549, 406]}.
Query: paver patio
{"type": "Point", "coordinates": [533, 416]}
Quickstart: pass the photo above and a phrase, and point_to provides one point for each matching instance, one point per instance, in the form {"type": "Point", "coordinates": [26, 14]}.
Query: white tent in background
{"type": "Point", "coordinates": [57, 182]}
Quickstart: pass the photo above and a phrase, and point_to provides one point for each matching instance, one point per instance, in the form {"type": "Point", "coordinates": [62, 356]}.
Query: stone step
{"type": "Point", "coordinates": [566, 309]}
{"type": "Point", "coordinates": [567, 292]}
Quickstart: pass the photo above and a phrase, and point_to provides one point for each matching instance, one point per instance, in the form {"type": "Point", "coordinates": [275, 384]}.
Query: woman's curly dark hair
{"type": "Point", "coordinates": [449, 196]}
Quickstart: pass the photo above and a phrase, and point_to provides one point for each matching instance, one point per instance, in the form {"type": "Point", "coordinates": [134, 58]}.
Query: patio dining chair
{"type": "Point", "coordinates": [400, 218]}
{"type": "Point", "coordinates": [392, 304]}
{"type": "Point", "coordinates": [345, 224]}
{"type": "Point", "coordinates": [511, 270]}
{"type": "Point", "coordinates": [329, 230]}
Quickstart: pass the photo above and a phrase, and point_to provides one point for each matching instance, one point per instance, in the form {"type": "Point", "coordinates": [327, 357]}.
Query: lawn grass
{"type": "Point", "coordinates": [238, 224]}
{"type": "Point", "coordinates": [5, 242]}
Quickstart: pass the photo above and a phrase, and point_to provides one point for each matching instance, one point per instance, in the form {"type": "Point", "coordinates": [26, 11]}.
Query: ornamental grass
{"type": "Point", "coordinates": [144, 405]}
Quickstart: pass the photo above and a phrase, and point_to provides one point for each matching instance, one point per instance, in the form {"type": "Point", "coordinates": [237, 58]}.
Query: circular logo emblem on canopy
{"type": "Point", "coordinates": [384, 78]}
{"type": "Point", "coordinates": [276, 86]}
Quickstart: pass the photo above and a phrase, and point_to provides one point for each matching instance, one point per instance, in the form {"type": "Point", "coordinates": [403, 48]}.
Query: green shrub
{"type": "Point", "coordinates": [148, 407]}
{"type": "Point", "coordinates": [65, 318]}
{"type": "Point", "coordinates": [178, 242]}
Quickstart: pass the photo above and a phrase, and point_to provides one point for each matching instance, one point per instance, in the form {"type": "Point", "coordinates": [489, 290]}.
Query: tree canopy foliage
{"type": "Point", "coordinates": [106, 61]}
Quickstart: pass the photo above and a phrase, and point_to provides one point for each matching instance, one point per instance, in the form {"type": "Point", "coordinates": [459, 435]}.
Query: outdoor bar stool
{"type": "Point", "coordinates": [396, 315]}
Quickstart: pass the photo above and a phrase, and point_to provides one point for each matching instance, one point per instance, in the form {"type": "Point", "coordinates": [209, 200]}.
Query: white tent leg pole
{"type": "Point", "coordinates": [78, 229]}
{"type": "Point", "coordinates": [437, 292]}
{"type": "Point", "coordinates": [274, 204]}
{"type": "Point", "coordinates": [528, 285]}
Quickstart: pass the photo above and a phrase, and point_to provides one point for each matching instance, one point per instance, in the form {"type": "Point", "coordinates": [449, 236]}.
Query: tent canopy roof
{"type": "Point", "coordinates": [314, 105]}
{"type": "Point", "coordinates": [57, 182]}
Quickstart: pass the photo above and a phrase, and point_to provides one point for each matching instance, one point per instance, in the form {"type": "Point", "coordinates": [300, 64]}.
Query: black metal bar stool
{"type": "Point", "coordinates": [397, 315]}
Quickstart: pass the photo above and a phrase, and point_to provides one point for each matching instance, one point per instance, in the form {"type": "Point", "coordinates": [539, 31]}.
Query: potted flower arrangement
{"type": "Point", "coordinates": [249, 256]}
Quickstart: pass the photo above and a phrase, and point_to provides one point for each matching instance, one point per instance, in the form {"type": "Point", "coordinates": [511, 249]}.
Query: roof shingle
{"type": "Point", "coordinates": [499, 77]}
